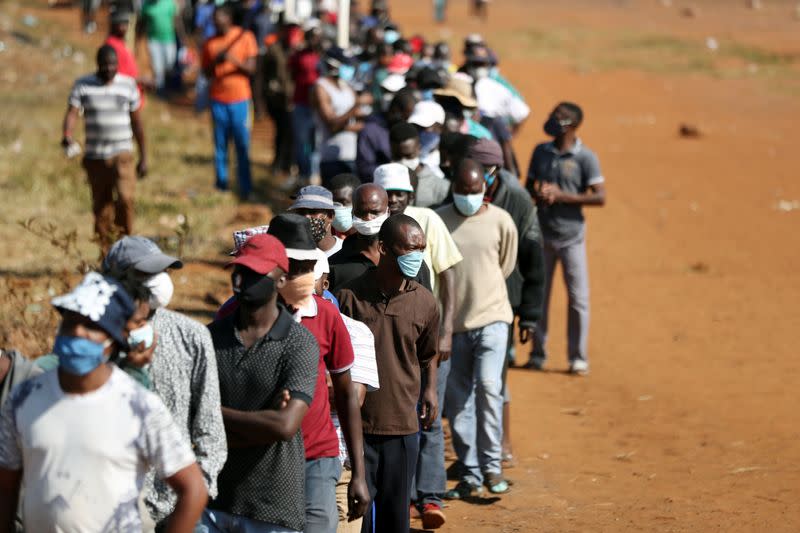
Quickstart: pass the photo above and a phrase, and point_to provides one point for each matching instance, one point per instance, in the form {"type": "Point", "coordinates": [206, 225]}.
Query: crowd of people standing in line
{"type": "Point", "coordinates": [382, 300]}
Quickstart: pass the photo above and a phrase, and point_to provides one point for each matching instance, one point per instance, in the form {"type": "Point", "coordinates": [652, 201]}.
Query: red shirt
{"type": "Point", "coordinates": [335, 356]}
{"type": "Point", "coordinates": [126, 64]}
{"type": "Point", "coordinates": [303, 70]}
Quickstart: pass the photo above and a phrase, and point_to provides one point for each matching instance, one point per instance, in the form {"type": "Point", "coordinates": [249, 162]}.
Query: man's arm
{"type": "Point", "coordinates": [447, 297]}
{"type": "Point", "coordinates": [366, 156]}
{"type": "Point", "coordinates": [531, 266]}
{"type": "Point", "coordinates": [595, 195]}
{"type": "Point", "coordinates": [9, 495]}
{"type": "Point", "coordinates": [427, 343]}
{"type": "Point", "coordinates": [192, 498]}
{"type": "Point", "coordinates": [68, 127]}
{"type": "Point", "coordinates": [322, 103]}
{"type": "Point", "coordinates": [248, 66]}
{"type": "Point", "coordinates": [138, 134]}
{"type": "Point", "coordinates": [260, 428]}
{"type": "Point", "coordinates": [347, 407]}
{"type": "Point", "coordinates": [430, 399]}
{"type": "Point", "coordinates": [207, 431]}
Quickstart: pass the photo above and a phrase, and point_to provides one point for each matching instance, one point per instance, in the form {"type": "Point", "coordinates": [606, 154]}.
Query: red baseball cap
{"type": "Point", "coordinates": [262, 253]}
{"type": "Point", "coordinates": [400, 64]}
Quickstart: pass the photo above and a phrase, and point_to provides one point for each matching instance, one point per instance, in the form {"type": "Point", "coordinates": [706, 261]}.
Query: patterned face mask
{"type": "Point", "coordinates": [318, 228]}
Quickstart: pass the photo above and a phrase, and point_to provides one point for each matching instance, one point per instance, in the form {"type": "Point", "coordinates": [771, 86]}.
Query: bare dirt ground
{"type": "Point", "coordinates": [689, 419]}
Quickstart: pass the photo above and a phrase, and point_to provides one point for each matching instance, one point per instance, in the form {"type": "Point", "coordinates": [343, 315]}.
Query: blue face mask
{"type": "Point", "coordinates": [410, 263]}
{"type": "Point", "coordinates": [346, 72]}
{"type": "Point", "coordinates": [489, 178]}
{"type": "Point", "coordinates": [427, 95]}
{"type": "Point", "coordinates": [468, 204]}
{"type": "Point", "coordinates": [429, 141]}
{"type": "Point", "coordinates": [77, 355]}
{"type": "Point", "coordinates": [342, 218]}
{"type": "Point", "coordinates": [390, 36]}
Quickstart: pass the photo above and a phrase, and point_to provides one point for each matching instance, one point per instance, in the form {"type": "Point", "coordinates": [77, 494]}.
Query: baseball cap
{"type": "Point", "coordinates": [393, 83]}
{"type": "Point", "coordinates": [138, 253]}
{"type": "Point", "coordinates": [426, 114]}
{"type": "Point", "coordinates": [102, 300]}
{"type": "Point", "coordinates": [120, 14]}
{"type": "Point", "coordinates": [393, 177]}
{"type": "Point", "coordinates": [313, 197]}
{"type": "Point", "coordinates": [321, 266]}
{"type": "Point", "coordinates": [262, 253]}
{"type": "Point", "coordinates": [400, 64]}
{"type": "Point", "coordinates": [294, 231]}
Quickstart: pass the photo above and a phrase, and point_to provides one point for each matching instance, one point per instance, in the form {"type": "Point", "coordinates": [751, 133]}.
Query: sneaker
{"type": "Point", "coordinates": [464, 489]}
{"type": "Point", "coordinates": [495, 483]}
{"type": "Point", "coordinates": [579, 367]}
{"type": "Point", "coordinates": [432, 516]}
{"type": "Point", "coordinates": [535, 363]}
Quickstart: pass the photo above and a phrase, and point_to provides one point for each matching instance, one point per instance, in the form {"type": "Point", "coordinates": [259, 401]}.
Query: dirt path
{"type": "Point", "coordinates": [688, 421]}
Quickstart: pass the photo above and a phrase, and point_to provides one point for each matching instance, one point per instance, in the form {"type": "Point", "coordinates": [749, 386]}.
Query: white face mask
{"type": "Point", "coordinates": [410, 164]}
{"type": "Point", "coordinates": [370, 227]}
{"type": "Point", "coordinates": [144, 334]}
{"type": "Point", "coordinates": [481, 72]}
{"type": "Point", "coordinates": [161, 289]}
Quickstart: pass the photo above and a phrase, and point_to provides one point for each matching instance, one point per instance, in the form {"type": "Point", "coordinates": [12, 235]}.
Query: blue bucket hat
{"type": "Point", "coordinates": [102, 300]}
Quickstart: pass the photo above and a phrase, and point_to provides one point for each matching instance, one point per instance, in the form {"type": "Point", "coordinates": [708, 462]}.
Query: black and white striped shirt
{"type": "Point", "coordinates": [106, 109]}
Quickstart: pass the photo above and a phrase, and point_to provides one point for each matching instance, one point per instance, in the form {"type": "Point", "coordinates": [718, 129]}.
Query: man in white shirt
{"type": "Point", "coordinates": [83, 436]}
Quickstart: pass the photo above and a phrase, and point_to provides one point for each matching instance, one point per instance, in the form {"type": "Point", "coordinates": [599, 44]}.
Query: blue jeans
{"type": "Point", "coordinates": [162, 59]}
{"type": "Point", "coordinates": [430, 479]}
{"type": "Point", "coordinates": [475, 400]}
{"type": "Point", "coordinates": [231, 120]}
{"type": "Point", "coordinates": [222, 522]}
{"type": "Point", "coordinates": [322, 515]}
{"type": "Point", "coordinates": [303, 132]}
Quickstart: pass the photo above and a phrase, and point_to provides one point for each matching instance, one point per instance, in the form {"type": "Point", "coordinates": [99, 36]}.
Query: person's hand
{"type": "Point", "coordinates": [281, 400]}
{"type": "Point", "coordinates": [429, 407]}
{"type": "Point", "coordinates": [445, 347]}
{"type": "Point", "coordinates": [65, 142]}
{"type": "Point", "coordinates": [526, 333]}
{"type": "Point", "coordinates": [141, 168]}
{"type": "Point", "coordinates": [221, 57]}
{"type": "Point", "coordinates": [364, 98]}
{"type": "Point", "coordinates": [357, 498]}
{"type": "Point", "coordinates": [147, 82]}
{"type": "Point", "coordinates": [551, 193]}
{"type": "Point", "coordinates": [139, 356]}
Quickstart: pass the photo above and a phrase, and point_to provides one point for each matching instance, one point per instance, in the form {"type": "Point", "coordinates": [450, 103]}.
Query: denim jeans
{"type": "Point", "coordinates": [430, 478]}
{"type": "Point", "coordinates": [576, 278]}
{"type": "Point", "coordinates": [162, 60]}
{"type": "Point", "coordinates": [232, 120]}
{"type": "Point", "coordinates": [222, 522]}
{"type": "Point", "coordinates": [303, 132]}
{"type": "Point", "coordinates": [322, 474]}
{"type": "Point", "coordinates": [475, 401]}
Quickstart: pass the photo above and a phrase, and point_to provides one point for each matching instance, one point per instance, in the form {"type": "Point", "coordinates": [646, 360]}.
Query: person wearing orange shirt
{"type": "Point", "coordinates": [229, 59]}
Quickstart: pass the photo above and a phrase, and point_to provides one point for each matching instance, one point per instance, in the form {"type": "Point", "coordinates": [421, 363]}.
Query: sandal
{"type": "Point", "coordinates": [464, 489]}
{"type": "Point", "coordinates": [495, 483]}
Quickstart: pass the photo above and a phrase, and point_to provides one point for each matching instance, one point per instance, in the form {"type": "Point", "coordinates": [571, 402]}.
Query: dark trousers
{"type": "Point", "coordinates": [283, 134]}
{"type": "Point", "coordinates": [113, 183]}
{"type": "Point", "coordinates": [390, 462]}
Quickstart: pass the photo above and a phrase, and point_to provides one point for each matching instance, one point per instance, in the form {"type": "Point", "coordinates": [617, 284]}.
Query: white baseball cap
{"type": "Point", "coordinates": [426, 114]}
{"type": "Point", "coordinates": [393, 177]}
{"type": "Point", "coordinates": [393, 83]}
{"type": "Point", "coordinates": [321, 266]}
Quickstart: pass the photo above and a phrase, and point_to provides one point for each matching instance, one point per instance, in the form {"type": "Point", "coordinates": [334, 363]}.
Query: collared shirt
{"type": "Point", "coordinates": [107, 112]}
{"type": "Point", "coordinates": [406, 331]}
{"type": "Point", "coordinates": [184, 376]}
{"type": "Point", "coordinates": [441, 251]}
{"type": "Point", "coordinates": [265, 483]}
{"type": "Point", "coordinates": [349, 263]}
{"type": "Point", "coordinates": [574, 171]}
{"type": "Point", "coordinates": [323, 320]}
{"type": "Point", "coordinates": [373, 147]}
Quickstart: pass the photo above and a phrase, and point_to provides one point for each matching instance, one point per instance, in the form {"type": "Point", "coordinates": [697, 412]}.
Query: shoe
{"type": "Point", "coordinates": [464, 489]}
{"type": "Point", "coordinates": [534, 363]}
{"type": "Point", "coordinates": [432, 516]}
{"type": "Point", "coordinates": [495, 483]}
{"type": "Point", "coordinates": [413, 511]}
{"type": "Point", "coordinates": [579, 367]}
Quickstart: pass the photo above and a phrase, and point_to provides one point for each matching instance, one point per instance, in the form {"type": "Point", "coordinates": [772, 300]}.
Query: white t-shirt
{"type": "Point", "coordinates": [84, 456]}
{"type": "Point", "coordinates": [336, 246]}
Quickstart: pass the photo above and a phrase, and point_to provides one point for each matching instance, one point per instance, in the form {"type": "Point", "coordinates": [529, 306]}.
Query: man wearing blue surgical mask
{"type": "Point", "coordinates": [404, 320]}
{"type": "Point", "coordinates": [338, 115]}
{"type": "Point", "coordinates": [85, 433]}
{"type": "Point", "coordinates": [487, 238]}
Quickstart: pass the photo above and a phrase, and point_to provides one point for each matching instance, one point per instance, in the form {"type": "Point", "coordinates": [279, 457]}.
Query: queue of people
{"type": "Point", "coordinates": [381, 302]}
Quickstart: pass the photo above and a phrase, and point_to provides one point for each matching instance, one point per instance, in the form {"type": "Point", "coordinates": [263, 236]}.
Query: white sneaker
{"type": "Point", "coordinates": [579, 367]}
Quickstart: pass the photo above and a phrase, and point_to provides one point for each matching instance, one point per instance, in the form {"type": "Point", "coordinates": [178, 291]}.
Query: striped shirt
{"type": "Point", "coordinates": [106, 109]}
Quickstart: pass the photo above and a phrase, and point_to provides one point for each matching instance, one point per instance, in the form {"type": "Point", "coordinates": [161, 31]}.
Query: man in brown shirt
{"type": "Point", "coordinates": [404, 319]}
